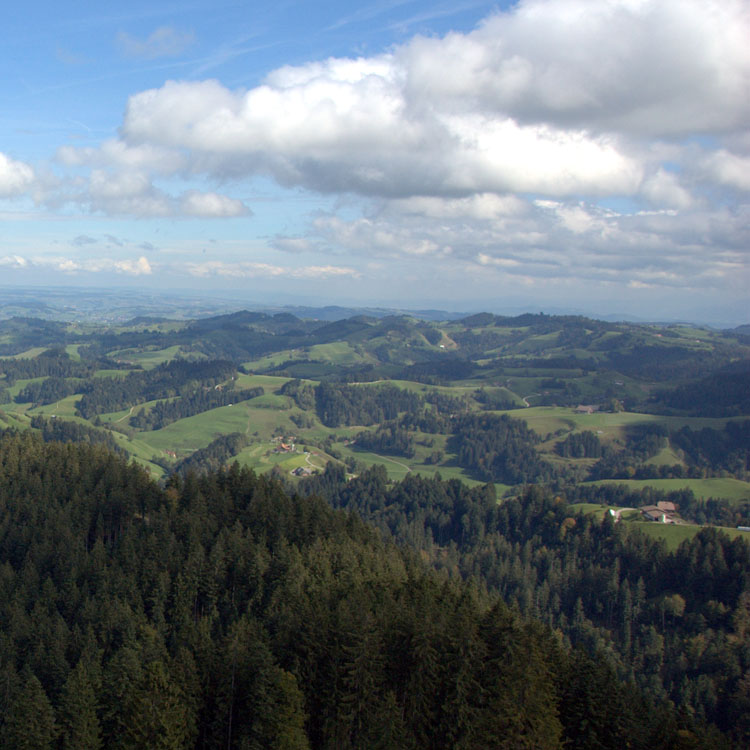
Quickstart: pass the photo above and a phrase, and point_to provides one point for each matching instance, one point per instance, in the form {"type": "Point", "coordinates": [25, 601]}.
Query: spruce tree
{"type": "Point", "coordinates": [79, 724]}
{"type": "Point", "coordinates": [30, 724]}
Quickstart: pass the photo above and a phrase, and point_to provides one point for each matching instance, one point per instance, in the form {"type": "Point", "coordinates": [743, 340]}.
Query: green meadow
{"type": "Point", "coordinates": [718, 487]}
{"type": "Point", "coordinates": [550, 419]}
{"type": "Point", "coordinates": [674, 534]}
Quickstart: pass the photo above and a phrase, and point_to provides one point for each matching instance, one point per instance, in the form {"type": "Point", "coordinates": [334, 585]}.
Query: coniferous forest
{"type": "Point", "coordinates": [221, 611]}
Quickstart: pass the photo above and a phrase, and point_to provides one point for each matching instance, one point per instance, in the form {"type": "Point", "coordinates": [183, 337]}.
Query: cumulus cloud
{"type": "Point", "coordinates": [729, 169]}
{"type": "Point", "coordinates": [126, 193]}
{"type": "Point", "coordinates": [15, 177]}
{"type": "Point", "coordinates": [656, 67]}
{"type": "Point", "coordinates": [350, 130]}
{"type": "Point", "coordinates": [13, 261]}
{"type": "Point", "coordinates": [663, 188]}
{"type": "Point", "coordinates": [163, 42]}
{"type": "Point", "coordinates": [139, 267]}
{"type": "Point", "coordinates": [549, 97]}
{"type": "Point", "coordinates": [133, 193]}
{"type": "Point", "coordinates": [194, 203]}
{"type": "Point", "coordinates": [120, 155]}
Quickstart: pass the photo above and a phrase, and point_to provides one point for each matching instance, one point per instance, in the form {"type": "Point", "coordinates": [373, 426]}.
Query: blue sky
{"type": "Point", "coordinates": [546, 154]}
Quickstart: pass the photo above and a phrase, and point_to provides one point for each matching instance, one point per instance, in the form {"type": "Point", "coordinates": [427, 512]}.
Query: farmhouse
{"type": "Point", "coordinates": [586, 408]}
{"type": "Point", "coordinates": [662, 512]}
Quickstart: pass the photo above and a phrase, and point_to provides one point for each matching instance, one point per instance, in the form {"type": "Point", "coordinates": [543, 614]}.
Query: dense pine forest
{"type": "Point", "coordinates": [221, 611]}
{"type": "Point", "coordinates": [675, 624]}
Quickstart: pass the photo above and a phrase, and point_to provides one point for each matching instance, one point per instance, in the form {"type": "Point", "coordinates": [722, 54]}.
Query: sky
{"type": "Point", "coordinates": [578, 155]}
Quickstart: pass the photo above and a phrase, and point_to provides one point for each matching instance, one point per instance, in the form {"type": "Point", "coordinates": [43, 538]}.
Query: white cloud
{"type": "Point", "coordinates": [211, 205]}
{"type": "Point", "coordinates": [13, 261]}
{"type": "Point", "coordinates": [140, 267]}
{"type": "Point", "coordinates": [126, 193]}
{"type": "Point", "coordinates": [133, 267]}
{"type": "Point", "coordinates": [347, 132]}
{"type": "Point", "coordinates": [729, 169]}
{"type": "Point", "coordinates": [15, 177]}
{"type": "Point", "coordinates": [164, 42]}
{"type": "Point", "coordinates": [664, 189]}
{"type": "Point", "coordinates": [578, 241]}
{"type": "Point", "coordinates": [479, 206]}
{"type": "Point", "coordinates": [131, 192]}
{"type": "Point", "coordinates": [550, 97]}
{"type": "Point", "coordinates": [656, 67]}
{"type": "Point", "coordinates": [120, 155]}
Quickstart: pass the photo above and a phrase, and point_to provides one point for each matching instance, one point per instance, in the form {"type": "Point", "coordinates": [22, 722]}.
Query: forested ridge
{"type": "Point", "coordinates": [221, 611]}
{"type": "Point", "coordinates": [675, 624]}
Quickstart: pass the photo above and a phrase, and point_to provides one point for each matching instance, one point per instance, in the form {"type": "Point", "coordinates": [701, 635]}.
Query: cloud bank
{"type": "Point", "coordinates": [558, 97]}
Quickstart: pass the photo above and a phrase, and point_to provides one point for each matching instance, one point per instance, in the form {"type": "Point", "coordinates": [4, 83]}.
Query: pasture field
{"type": "Point", "coordinates": [549, 419]}
{"type": "Point", "coordinates": [268, 382]}
{"type": "Point", "coordinates": [72, 351]}
{"type": "Point", "coordinates": [29, 353]}
{"type": "Point", "coordinates": [627, 514]}
{"type": "Point", "coordinates": [19, 385]}
{"type": "Point", "coordinates": [675, 534]}
{"type": "Point", "coordinates": [192, 433]}
{"type": "Point", "coordinates": [718, 487]}
{"type": "Point", "coordinates": [272, 401]}
{"type": "Point", "coordinates": [273, 360]}
{"type": "Point", "coordinates": [140, 452]}
{"type": "Point", "coordinates": [13, 420]}
{"type": "Point", "coordinates": [338, 353]}
{"type": "Point", "coordinates": [671, 533]}
{"type": "Point", "coordinates": [65, 407]}
{"type": "Point", "coordinates": [147, 358]}
{"type": "Point", "coordinates": [261, 458]}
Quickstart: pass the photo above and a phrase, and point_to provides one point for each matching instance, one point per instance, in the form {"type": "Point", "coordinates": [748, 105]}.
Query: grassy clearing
{"type": "Point", "coordinates": [268, 382]}
{"type": "Point", "coordinates": [272, 401]}
{"type": "Point", "coordinates": [274, 360]}
{"type": "Point", "coordinates": [147, 359]}
{"type": "Point", "coordinates": [13, 420]}
{"type": "Point", "coordinates": [665, 457]}
{"type": "Point", "coordinates": [140, 452]}
{"type": "Point", "coordinates": [718, 487]}
{"type": "Point", "coordinates": [192, 433]}
{"type": "Point", "coordinates": [628, 514]}
{"type": "Point", "coordinates": [672, 534]}
{"type": "Point", "coordinates": [65, 407]}
{"type": "Point", "coordinates": [261, 457]}
{"type": "Point", "coordinates": [337, 353]}
{"type": "Point", "coordinates": [19, 385]}
{"type": "Point", "coordinates": [29, 353]}
{"type": "Point", "coordinates": [675, 534]}
{"type": "Point", "coordinates": [546, 419]}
